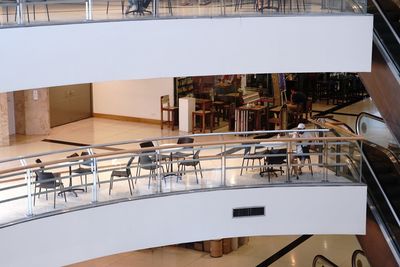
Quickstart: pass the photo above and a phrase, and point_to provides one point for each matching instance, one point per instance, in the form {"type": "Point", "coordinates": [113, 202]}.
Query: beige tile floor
{"type": "Point", "coordinates": [337, 248]}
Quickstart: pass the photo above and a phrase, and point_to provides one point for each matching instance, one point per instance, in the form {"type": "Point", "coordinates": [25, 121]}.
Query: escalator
{"type": "Point", "coordinates": [382, 241]}
{"type": "Point", "coordinates": [383, 82]}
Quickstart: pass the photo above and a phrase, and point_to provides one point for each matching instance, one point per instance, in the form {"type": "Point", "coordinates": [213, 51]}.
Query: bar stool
{"type": "Point", "coordinates": [171, 111]}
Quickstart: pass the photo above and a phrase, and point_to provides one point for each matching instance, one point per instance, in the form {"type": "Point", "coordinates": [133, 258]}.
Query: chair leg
{"type": "Point", "coordinates": [34, 197]}
{"type": "Point", "coordinates": [201, 172]}
{"type": "Point", "coordinates": [47, 11]}
{"type": "Point", "coordinates": [129, 183]}
{"type": "Point", "coordinates": [241, 169]}
{"type": "Point", "coordinates": [54, 205]}
{"type": "Point", "coordinates": [111, 185]}
{"type": "Point", "coordinates": [62, 189]}
{"type": "Point", "coordinates": [108, 5]}
{"type": "Point", "coordinates": [195, 172]}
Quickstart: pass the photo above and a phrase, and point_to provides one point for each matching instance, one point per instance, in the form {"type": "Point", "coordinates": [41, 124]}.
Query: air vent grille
{"type": "Point", "coordinates": [247, 212]}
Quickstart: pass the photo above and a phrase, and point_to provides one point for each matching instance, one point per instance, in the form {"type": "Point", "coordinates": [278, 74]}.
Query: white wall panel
{"type": "Point", "coordinates": [135, 98]}
{"type": "Point", "coordinates": [34, 57]}
{"type": "Point", "coordinates": [81, 235]}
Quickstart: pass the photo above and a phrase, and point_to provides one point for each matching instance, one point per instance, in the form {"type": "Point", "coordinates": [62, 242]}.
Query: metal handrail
{"type": "Point", "coordinates": [140, 150]}
{"type": "Point", "coordinates": [386, 20]}
{"type": "Point", "coordinates": [325, 259]}
{"type": "Point", "coordinates": [20, 177]}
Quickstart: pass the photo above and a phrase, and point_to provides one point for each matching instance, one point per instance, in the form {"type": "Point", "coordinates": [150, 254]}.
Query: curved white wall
{"type": "Point", "coordinates": [34, 57]}
{"type": "Point", "coordinates": [91, 233]}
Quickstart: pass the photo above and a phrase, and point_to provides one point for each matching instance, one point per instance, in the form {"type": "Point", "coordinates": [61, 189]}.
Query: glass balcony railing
{"type": "Point", "coordinates": [43, 12]}
{"type": "Point", "coordinates": [47, 183]}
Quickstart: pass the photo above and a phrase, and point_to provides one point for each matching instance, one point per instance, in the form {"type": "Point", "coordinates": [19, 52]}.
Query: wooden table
{"type": "Point", "coordinates": [242, 117]}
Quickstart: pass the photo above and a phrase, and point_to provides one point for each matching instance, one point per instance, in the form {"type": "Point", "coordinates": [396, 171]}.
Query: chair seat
{"type": "Point", "coordinates": [119, 173]}
{"type": "Point", "coordinates": [49, 184]}
{"type": "Point", "coordinates": [170, 108]}
{"type": "Point", "coordinates": [179, 155]}
{"type": "Point", "coordinates": [82, 170]}
{"type": "Point", "coordinates": [200, 112]}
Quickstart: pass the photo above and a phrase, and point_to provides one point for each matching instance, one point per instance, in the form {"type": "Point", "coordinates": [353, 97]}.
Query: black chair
{"type": "Point", "coordinates": [180, 154]}
{"type": "Point", "coordinates": [150, 153]}
{"type": "Point", "coordinates": [47, 180]}
{"type": "Point", "coordinates": [123, 173]}
{"type": "Point", "coordinates": [147, 163]}
{"type": "Point", "coordinates": [274, 157]}
{"type": "Point", "coordinates": [122, 6]}
{"type": "Point", "coordinates": [247, 156]}
{"type": "Point", "coordinates": [84, 168]}
{"type": "Point", "coordinates": [191, 163]}
{"type": "Point", "coordinates": [141, 7]}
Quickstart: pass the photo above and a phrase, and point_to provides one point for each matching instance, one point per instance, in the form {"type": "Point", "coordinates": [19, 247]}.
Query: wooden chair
{"type": "Point", "coordinates": [204, 113]}
{"type": "Point", "coordinates": [171, 111]}
{"type": "Point", "coordinates": [279, 119]}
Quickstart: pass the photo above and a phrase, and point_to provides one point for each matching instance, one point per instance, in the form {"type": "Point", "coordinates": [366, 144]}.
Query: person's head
{"type": "Point", "coordinates": [301, 127]}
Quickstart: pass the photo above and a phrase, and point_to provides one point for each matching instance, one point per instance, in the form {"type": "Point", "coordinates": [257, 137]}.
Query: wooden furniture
{"type": "Point", "coordinates": [278, 117]}
{"type": "Point", "coordinates": [203, 113]}
{"type": "Point", "coordinates": [171, 111]}
{"type": "Point", "coordinates": [242, 117]}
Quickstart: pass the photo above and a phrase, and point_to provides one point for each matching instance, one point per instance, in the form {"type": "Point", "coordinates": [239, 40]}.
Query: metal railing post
{"type": "Point", "coordinates": [155, 7]}
{"type": "Point", "coordinates": [361, 160]}
{"type": "Point", "coordinates": [288, 161]}
{"type": "Point", "coordinates": [28, 180]}
{"type": "Point", "coordinates": [20, 11]}
{"type": "Point", "coordinates": [338, 152]}
{"type": "Point", "coordinates": [93, 167]}
{"type": "Point", "coordinates": [159, 180]}
{"type": "Point", "coordinates": [223, 165]}
{"type": "Point", "coordinates": [89, 10]}
{"type": "Point", "coordinates": [325, 160]}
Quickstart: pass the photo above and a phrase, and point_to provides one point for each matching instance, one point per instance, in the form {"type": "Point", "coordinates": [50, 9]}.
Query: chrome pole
{"type": "Point", "coordinates": [361, 160]}
{"type": "Point", "coordinates": [93, 167]}
{"type": "Point", "coordinates": [288, 161]}
{"type": "Point", "coordinates": [223, 164]}
{"type": "Point", "coordinates": [158, 157]}
{"type": "Point", "coordinates": [90, 10]}
{"type": "Point", "coordinates": [20, 10]}
{"type": "Point", "coordinates": [28, 180]}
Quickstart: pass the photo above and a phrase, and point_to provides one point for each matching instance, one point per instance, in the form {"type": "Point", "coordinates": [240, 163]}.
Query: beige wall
{"type": "Point", "coordinates": [134, 98]}
{"type": "Point", "coordinates": [32, 112]}
{"type": "Point", "coordinates": [4, 130]}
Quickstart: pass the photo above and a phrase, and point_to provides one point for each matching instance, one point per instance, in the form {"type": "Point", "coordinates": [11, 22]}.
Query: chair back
{"type": "Point", "coordinates": [128, 165]}
{"type": "Point", "coordinates": [185, 140]}
{"type": "Point", "coordinates": [196, 155]}
{"type": "Point", "coordinates": [86, 162]}
{"type": "Point", "coordinates": [165, 101]}
{"type": "Point", "coordinates": [146, 145]}
{"type": "Point", "coordinates": [280, 159]}
{"type": "Point", "coordinates": [146, 162]}
{"type": "Point", "coordinates": [306, 150]}
{"type": "Point", "coordinates": [45, 178]}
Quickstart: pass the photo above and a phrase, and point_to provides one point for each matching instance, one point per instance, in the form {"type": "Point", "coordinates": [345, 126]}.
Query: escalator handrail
{"type": "Point", "coordinates": [386, 20]}
{"type": "Point", "coordinates": [379, 119]}
{"type": "Point", "coordinates": [319, 256]}
{"type": "Point", "coordinates": [354, 257]}
{"type": "Point", "coordinates": [365, 114]}
{"type": "Point", "coordinates": [379, 186]}
{"type": "Point", "coordinates": [383, 227]}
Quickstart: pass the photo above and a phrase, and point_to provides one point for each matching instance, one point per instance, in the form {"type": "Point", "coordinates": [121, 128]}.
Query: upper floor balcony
{"type": "Point", "coordinates": [42, 12]}
{"type": "Point", "coordinates": [117, 197]}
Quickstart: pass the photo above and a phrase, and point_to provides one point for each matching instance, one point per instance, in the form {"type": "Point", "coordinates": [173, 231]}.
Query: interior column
{"type": "Point", "coordinates": [4, 130]}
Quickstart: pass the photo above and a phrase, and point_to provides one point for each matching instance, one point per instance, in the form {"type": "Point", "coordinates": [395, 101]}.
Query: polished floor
{"type": "Point", "coordinates": [96, 131]}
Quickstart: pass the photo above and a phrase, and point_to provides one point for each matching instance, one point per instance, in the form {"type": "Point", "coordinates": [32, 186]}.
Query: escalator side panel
{"type": "Point", "coordinates": [384, 89]}
{"type": "Point", "coordinates": [375, 246]}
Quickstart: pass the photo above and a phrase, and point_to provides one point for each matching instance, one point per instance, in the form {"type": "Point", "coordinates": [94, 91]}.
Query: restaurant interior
{"type": "Point", "coordinates": [255, 101]}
